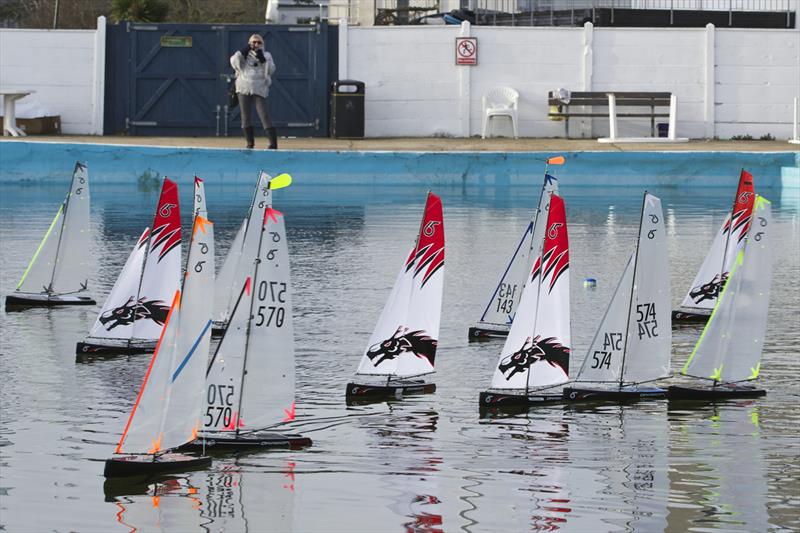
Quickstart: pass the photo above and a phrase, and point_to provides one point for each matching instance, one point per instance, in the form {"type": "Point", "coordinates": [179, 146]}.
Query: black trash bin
{"type": "Point", "coordinates": [347, 109]}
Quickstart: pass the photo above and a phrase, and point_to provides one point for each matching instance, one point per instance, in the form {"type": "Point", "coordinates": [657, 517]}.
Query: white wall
{"type": "Point", "coordinates": [60, 66]}
{"type": "Point", "coordinates": [728, 81]}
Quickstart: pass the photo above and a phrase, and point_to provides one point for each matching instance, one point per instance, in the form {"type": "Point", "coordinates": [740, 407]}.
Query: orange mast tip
{"type": "Point", "coordinates": [556, 160]}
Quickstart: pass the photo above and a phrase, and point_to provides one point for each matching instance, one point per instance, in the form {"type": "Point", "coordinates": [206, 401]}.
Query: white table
{"type": "Point", "coordinates": [10, 112]}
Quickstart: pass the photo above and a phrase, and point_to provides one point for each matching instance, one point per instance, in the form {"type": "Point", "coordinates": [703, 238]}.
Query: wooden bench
{"type": "Point", "coordinates": [610, 99]}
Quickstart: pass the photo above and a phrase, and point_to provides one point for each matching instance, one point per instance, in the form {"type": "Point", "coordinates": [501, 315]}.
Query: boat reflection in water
{"type": "Point", "coordinates": [717, 470]}
{"type": "Point", "coordinates": [233, 498]}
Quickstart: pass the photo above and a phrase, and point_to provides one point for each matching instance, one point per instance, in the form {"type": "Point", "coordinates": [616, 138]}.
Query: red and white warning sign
{"type": "Point", "coordinates": [466, 50]}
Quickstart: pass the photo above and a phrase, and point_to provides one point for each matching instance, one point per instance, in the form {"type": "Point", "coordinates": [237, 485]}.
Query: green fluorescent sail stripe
{"type": "Point", "coordinates": [739, 261]}
{"type": "Point", "coordinates": [760, 201]}
{"type": "Point", "coordinates": [41, 244]}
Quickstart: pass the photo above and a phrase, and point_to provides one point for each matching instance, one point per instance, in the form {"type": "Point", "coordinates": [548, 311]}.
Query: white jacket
{"type": "Point", "coordinates": [253, 76]}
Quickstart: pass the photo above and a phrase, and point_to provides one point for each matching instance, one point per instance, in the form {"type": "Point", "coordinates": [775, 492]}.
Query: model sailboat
{"type": "Point", "coordinates": [499, 312]}
{"type": "Point", "coordinates": [58, 272]}
{"type": "Point", "coordinates": [250, 378]}
{"type": "Point", "coordinates": [713, 273]}
{"type": "Point", "coordinates": [401, 351]}
{"type": "Point", "coordinates": [167, 412]}
{"type": "Point", "coordinates": [728, 352]}
{"type": "Point", "coordinates": [534, 362]}
{"type": "Point", "coordinates": [239, 260]}
{"type": "Point", "coordinates": [133, 315]}
{"type": "Point", "coordinates": [634, 341]}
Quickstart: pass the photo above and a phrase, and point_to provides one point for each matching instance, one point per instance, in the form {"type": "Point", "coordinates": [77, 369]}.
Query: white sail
{"type": "Point", "coordinates": [115, 320]}
{"type": "Point", "coordinates": [504, 302]}
{"type": "Point", "coordinates": [200, 198]}
{"type": "Point", "coordinates": [137, 306]}
{"type": "Point", "coordinates": [649, 341]}
{"type": "Point", "coordinates": [536, 351]}
{"type": "Point", "coordinates": [241, 259]}
{"type": "Point", "coordinates": [61, 263]}
{"type": "Point", "coordinates": [268, 383]}
{"type": "Point", "coordinates": [729, 240]}
{"type": "Point", "coordinates": [603, 362]}
{"type": "Point", "coordinates": [223, 286]}
{"type": "Point", "coordinates": [182, 419]}
{"type": "Point", "coordinates": [405, 338]}
{"type": "Point", "coordinates": [142, 433]}
{"type": "Point", "coordinates": [226, 368]}
{"type": "Point", "coordinates": [167, 411]}
{"type": "Point", "coordinates": [729, 349]}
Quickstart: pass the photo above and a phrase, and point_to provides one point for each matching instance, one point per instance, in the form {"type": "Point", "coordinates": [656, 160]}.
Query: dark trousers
{"type": "Point", "coordinates": [246, 102]}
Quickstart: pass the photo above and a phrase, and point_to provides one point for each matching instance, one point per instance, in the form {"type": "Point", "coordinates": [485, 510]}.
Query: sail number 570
{"type": "Point", "coordinates": [268, 315]}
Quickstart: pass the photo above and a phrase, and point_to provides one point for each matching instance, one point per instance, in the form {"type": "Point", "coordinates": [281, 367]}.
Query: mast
{"type": "Point", "coordinates": [538, 295]}
{"type": "Point", "coordinates": [630, 302]}
{"type": "Point", "coordinates": [730, 230]}
{"type": "Point", "coordinates": [60, 234]}
{"type": "Point", "coordinates": [249, 325]}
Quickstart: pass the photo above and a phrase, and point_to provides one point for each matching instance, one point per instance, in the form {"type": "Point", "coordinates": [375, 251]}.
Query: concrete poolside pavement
{"type": "Point", "coordinates": [428, 144]}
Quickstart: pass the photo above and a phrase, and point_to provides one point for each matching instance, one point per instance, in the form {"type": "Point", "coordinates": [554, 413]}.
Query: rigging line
{"type": "Point", "coordinates": [41, 245]}
{"type": "Point", "coordinates": [633, 293]}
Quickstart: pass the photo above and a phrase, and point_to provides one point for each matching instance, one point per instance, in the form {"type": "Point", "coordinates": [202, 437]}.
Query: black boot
{"type": "Point", "coordinates": [248, 134]}
{"type": "Point", "coordinates": [273, 138]}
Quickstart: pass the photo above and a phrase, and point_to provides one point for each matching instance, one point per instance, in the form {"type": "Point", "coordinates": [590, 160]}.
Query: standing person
{"type": "Point", "coordinates": [254, 69]}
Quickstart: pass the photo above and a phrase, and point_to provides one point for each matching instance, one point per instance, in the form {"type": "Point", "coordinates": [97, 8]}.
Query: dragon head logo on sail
{"type": "Point", "coordinates": [532, 351]}
{"type": "Point", "coordinates": [416, 342]}
{"type": "Point", "coordinates": [125, 314]}
{"type": "Point", "coordinates": [710, 290]}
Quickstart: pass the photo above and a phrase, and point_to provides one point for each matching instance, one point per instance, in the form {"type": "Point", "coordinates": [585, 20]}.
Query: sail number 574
{"type": "Point", "coordinates": [646, 320]}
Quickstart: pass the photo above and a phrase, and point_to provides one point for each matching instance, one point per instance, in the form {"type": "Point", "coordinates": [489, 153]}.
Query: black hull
{"type": "Point", "coordinates": [478, 334]}
{"type": "Point", "coordinates": [574, 394]}
{"type": "Point", "coordinates": [678, 393]}
{"type": "Point", "coordinates": [687, 317]}
{"type": "Point", "coordinates": [19, 303]}
{"type": "Point", "coordinates": [250, 442]}
{"type": "Point", "coordinates": [357, 392]}
{"type": "Point", "coordinates": [493, 400]}
{"type": "Point", "coordinates": [88, 350]}
{"type": "Point", "coordinates": [145, 465]}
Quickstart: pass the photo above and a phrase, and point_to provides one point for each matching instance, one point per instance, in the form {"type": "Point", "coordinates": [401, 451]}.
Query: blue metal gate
{"type": "Point", "coordinates": [172, 79]}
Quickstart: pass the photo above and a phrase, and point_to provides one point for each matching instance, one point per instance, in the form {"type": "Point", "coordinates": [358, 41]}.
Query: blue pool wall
{"type": "Point", "coordinates": [26, 161]}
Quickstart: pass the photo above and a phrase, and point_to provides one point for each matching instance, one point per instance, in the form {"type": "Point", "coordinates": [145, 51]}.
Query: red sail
{"type": "Point", "coordinates": [167, 222]}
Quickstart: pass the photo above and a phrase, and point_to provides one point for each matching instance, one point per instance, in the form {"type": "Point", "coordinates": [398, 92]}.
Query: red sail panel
{"type": "Point", "coordinates": [167, 221]}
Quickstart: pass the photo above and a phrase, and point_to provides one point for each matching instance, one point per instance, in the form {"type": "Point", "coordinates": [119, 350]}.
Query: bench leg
{"type": "Point", "coordinates": [612, 117]}
{"type": "Point", "coordinates": [673, 116]}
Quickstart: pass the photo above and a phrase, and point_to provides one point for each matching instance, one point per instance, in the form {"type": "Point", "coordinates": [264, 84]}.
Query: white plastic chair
{"type": "Point", "coordinates": [500, 102]}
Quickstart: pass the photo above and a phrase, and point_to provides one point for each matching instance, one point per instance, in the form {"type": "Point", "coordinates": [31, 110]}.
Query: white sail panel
{"type": "Point", "coordinates": [71, 271]}
{"type": "Point", "coordinates": [405, 338]}
{"type": "Point", "coordinates": [536, 352]}
{"type": "Point", "coordinates": [425, 301]}
{"type": "Point", "coordinates": [39, 274]}
{"type": "Point", "coordinates": [115, 320]}
{"type": "Point", "coordinates": [507, 295]}
{"type": "Point", "coordinates": [649, 343]}
{"type": "Point", "coordinates": [262, 199]}
{"type": "Point", "coordinates": [182, 418]}
{"type": "Point", "coordinates": [200, 198]}
{"type": "Point", "coordinates": [162, 265]}
{"type": "Point", "coordinates": [223, 285]}
{"type": "Point", "coordinates": [226, 368]}
{"type": "Point", "coordinates": [603, 362]}
{"type": "Point", "coordinates": [268, 383]}
{"type": "Point", "coordinates": [142, 433]}
{"type": "Point", "coordinates": [727, 243]}
{"type": "Point", "coordinates": [730, 347]}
